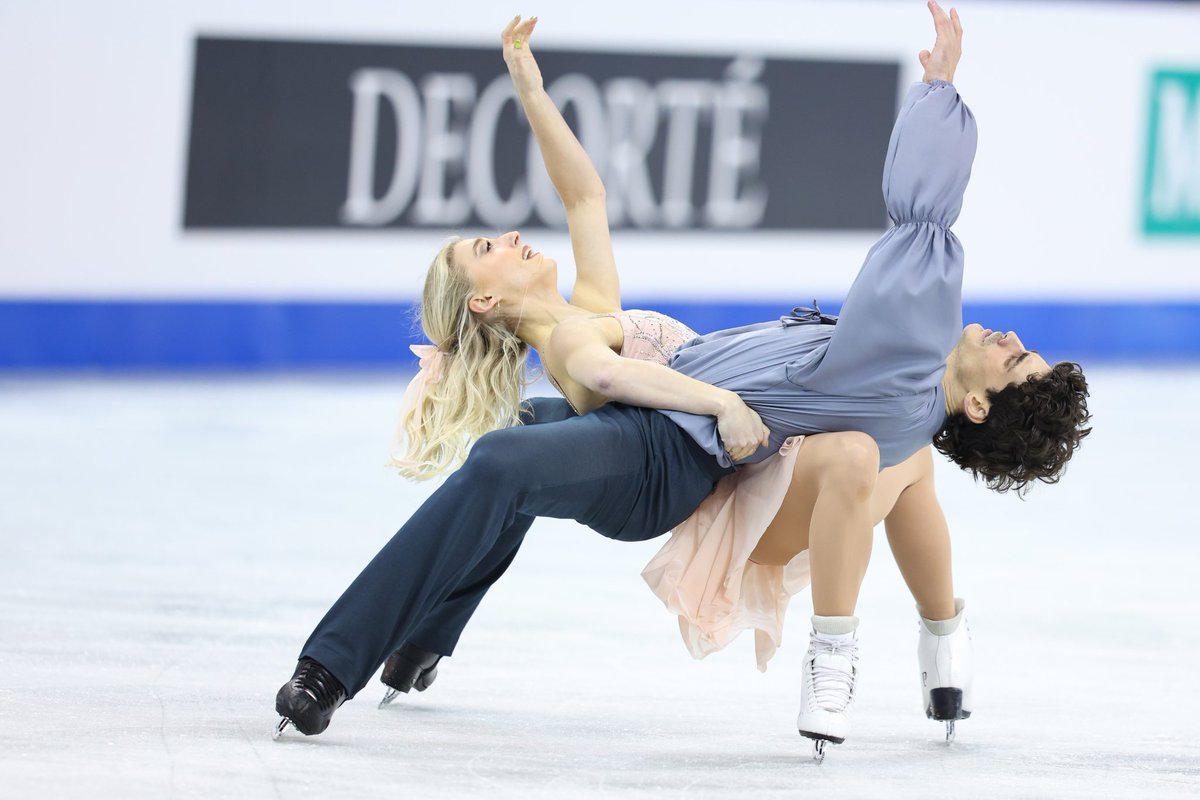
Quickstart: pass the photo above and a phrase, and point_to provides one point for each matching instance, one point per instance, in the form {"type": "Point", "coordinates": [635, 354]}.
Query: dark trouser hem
{"type": "Point", "coordinates": [339, 664]}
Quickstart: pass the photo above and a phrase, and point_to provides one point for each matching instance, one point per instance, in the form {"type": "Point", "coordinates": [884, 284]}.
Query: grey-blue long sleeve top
{"type": "Point", "coordinates": [879, 369]}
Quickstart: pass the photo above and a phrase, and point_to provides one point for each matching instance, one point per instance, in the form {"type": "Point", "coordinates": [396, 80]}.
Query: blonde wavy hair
{"type": "Point", "coordinates": [483, 376]}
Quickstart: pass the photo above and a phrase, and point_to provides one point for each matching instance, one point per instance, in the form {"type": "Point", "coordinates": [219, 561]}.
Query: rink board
{"type": "Point", "coordinates": [55, 335]}
{"type": "Point", "coordinates": [223, 201]}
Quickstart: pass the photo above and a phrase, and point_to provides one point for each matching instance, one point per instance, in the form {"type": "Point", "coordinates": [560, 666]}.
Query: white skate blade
{"type": "Point", "coordinates": [280, 727]}
{"type": "Point", "coordinates": [391, 695]}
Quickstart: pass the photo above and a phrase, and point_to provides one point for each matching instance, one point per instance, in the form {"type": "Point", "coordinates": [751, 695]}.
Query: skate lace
{"type": "Point", "coordinates": [319, 684]}
{"type": "Point", "coordinates": [831, 688]}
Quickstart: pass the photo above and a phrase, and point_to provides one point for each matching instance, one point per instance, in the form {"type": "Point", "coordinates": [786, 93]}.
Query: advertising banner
{"type": "Point", "coordinates": [291, 134]}
{"type": "Point", "coordinates": [1171, 197]}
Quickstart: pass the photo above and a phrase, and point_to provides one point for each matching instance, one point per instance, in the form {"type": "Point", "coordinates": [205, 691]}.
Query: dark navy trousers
{"type": "Point", "coordinates": [440, 631]}
{"type": "Point", "coordinates": [628, 473]}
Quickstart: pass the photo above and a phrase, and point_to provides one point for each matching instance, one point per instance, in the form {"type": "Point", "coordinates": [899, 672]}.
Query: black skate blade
{"type": "Point", "coordinates": [821, 737]}
{"type": "Point", "coordinates": [945, 705]}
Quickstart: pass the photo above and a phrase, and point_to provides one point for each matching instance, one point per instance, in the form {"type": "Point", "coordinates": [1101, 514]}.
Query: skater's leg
{"type": "Point", "coordinates": [608, 470]}
{"type": "Point", "coordinates": [845, 471]}
{"type": "Point", "coordinates": [787, 535]}
{"type": "Point", "coordinates": [832, 487]}
{"type": "Point", "coordinates": [439, 632]}
{"type": "Point", "coordinates": [415, 663]}
{"type": "Point", "coordinates": [416, 570]}
{"type": "Point", "coordinates": [839, 540]}
{"type": "Point", "coordinates": [920, 540]}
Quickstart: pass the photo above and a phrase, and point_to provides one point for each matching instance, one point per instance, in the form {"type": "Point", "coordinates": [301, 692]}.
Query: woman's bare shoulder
{"type": "Point", "coordinates": [583, 329]}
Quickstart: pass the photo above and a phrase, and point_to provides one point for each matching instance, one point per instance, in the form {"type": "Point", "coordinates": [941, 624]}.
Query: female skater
{"type": "Point", "coordinates": [629, 472]}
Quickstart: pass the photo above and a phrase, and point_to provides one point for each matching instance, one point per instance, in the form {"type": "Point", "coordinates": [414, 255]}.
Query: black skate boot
{"type": "Point", "coordinates": [309, 699]}
{"type": "Point", "coordinates": [407, 668]}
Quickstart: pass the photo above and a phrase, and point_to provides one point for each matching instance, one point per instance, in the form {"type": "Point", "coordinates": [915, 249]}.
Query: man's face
{"type": "Point", "coordinates": [988, 359]}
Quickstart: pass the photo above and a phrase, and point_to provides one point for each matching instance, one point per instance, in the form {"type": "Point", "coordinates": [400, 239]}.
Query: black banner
{"type": "Point", "coordinates": [291, 134]}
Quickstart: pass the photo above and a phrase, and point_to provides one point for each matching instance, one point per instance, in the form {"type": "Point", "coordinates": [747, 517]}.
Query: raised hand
{"type": "Point", "coordinates": [947, 47]}
{"type": "Point", "coordinates": [514, 41]}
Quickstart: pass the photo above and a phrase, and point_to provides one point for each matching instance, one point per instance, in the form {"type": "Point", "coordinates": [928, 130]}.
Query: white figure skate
{"type": "Point", "coordinates": [944, 656]}
{"type": "Point", "coordinates": [828, 690]}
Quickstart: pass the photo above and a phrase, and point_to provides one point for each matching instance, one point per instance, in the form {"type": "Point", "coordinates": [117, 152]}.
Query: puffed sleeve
{"type": "Point", "coordinates": [903, 314]}
{"type": "Point", "coordinates": [929, 156]}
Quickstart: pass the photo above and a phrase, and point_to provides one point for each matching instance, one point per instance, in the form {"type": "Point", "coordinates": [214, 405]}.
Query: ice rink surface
{"type": "Point", "coordinates": [167, 545]}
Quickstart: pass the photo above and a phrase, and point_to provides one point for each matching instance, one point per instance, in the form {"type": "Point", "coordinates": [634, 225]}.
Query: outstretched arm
{"type": "Point", "coordinates": [903, 314]}
{"type": "Point", "coordinates": [933, 142]}
{"type": "Point", "coordinates": [572, 172]}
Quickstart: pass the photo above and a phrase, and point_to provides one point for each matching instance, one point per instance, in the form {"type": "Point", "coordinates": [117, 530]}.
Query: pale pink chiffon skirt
{"type": "Point", "coordinates": [704, 573]}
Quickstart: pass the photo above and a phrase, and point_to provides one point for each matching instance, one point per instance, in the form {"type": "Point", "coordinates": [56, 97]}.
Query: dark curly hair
{"type": "Point", "coordinates": [1030, 433]}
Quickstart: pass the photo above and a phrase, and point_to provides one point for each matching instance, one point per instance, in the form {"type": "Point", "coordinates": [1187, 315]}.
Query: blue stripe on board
{"type": "Point", "coordinates": [55, 335]}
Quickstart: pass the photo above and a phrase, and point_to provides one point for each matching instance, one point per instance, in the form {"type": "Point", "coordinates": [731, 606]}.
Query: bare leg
{"type": "Point", "coordinates": [904, 496]}
{"type": "Point", "coordinates": [839, 538]}
{"type": "Point", "coordinates": [787, 534]}
{"type": "Point", "coordinates": [832, 489]}
{"type": "Point", "coordinates": [920, 542]}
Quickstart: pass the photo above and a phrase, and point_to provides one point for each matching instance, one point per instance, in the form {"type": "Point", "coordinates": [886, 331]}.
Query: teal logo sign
{"type": "Point", "coordinates": [1171, 192]}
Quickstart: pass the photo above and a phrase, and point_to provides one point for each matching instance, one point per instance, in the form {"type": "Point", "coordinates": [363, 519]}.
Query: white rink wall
{"type": "Point", "coordinates": [94, 154]}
